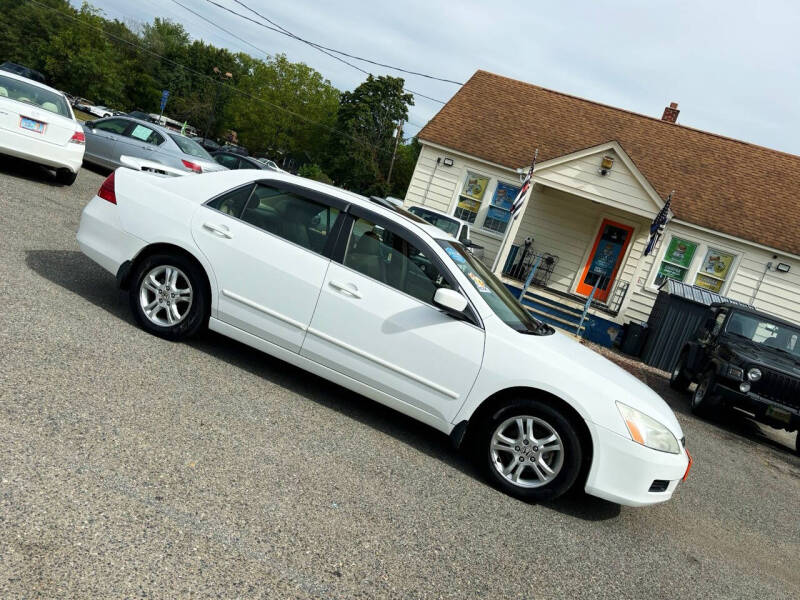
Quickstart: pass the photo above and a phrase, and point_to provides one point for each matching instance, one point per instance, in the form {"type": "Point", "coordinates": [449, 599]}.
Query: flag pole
{"type": "Point", "coordinates": [516, 213]}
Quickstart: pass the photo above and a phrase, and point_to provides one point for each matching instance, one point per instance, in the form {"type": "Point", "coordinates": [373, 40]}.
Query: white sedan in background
{"type": "Point", "coordinates": [385, 304]}
{"type": "Point", "coordinates": [37, 124]}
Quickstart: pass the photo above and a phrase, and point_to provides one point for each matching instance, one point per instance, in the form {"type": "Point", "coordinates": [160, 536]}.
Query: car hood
{"type": "Point", "coordinates": [597, 379]}
{"type": "Point", "coordinates": [747, 352]}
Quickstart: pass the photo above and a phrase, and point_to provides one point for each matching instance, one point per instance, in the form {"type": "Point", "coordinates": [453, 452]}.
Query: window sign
{"type": "Point", "coordinates": [499, 213]}
{"type": "Point", "coordinates": [714, 269]}
{"type": "Point", "coordinates": [676, 261]}
{"type": "Point", "coordinates": [469, 201]}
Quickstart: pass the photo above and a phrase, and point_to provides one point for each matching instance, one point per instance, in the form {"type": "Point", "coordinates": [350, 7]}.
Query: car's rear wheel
{"type": "Point", "coordinates": [530, 450]}
{"type": "Point", "coordinates": [702, 403]}
{"type": "Point", "coordinates": [679, 380]}
{"type": "Point", "coordinates": [168, 296]}
{"type": "Point", "coordinates": [65, 176]}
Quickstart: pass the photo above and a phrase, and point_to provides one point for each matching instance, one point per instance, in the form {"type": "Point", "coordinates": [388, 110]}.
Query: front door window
{"type": "Point", "coordinates": [605, 259]}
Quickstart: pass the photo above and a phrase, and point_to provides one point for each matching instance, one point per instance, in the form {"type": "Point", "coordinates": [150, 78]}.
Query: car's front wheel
{"type": "Point", "coordinates": [678, 379]}
{"type": "Point", "coordinates": [530, 450]}
{"type": "Point", "coordinates": [702, 403]}
{"type": "Point", "coordinates": [168, 296]}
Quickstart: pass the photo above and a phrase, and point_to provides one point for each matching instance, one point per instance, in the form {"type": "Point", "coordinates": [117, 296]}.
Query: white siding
{"type": "Point", "coordinates": [778, 293]}
{"type": "Point", "coordinates": [618, 188]}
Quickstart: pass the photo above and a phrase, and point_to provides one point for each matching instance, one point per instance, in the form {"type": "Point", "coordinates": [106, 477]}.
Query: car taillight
{"type": "Point", "coordinates": [78, 138]}
{"type": "Point", "coordinates": [106, 191]}
{"type": "Point", "coordinates": [194, 167]}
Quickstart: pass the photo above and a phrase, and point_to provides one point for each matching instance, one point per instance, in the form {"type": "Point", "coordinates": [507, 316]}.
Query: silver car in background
{"type": "Point", "coordinates": [107, 140]}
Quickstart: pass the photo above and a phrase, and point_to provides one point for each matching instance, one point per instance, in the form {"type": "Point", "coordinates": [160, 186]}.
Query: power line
{"type": "Point", "coordinates": [241, 39]}
{"type": "Point", "coordinates": [286, 32]}
{"type": "Point", "coordinates": [208, 77]}
{"type": "Point", "coordinates": [361, 58]}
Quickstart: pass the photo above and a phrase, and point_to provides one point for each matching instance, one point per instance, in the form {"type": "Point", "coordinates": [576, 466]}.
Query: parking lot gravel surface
{"type": "Point", "coordinates": [132, 467]}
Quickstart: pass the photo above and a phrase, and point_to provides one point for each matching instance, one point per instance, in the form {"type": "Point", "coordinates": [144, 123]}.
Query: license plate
{"type": "Point", "coordinates": [778, 414]}
{"type": "Point", "coordinates": [31, 125]}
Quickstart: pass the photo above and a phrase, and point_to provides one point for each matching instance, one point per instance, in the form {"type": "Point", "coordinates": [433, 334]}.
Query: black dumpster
{"type": "Point", "coordinates": [679, 311]}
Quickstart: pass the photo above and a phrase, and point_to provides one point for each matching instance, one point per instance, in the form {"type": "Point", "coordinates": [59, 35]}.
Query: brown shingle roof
{"type": "Point", "coordinates": [724, 184]}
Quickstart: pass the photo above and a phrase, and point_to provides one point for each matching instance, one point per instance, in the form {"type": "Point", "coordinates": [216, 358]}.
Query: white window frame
{"type": "Point", "coordinates": [693, 269]}
{"type": "Point", "coordinates": [490, 184]}
{"type": "Point", "coordinates": [484, 212]}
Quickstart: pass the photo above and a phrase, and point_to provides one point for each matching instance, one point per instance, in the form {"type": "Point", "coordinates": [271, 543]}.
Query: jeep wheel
{"type": "Point", "coordinates": [702, 404]}
{"type": "Point", "coordinates": [678, 380]}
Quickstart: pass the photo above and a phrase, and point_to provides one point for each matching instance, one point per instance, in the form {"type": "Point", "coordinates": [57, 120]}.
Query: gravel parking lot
{"type": "Point", "coordinates": [134, 467]}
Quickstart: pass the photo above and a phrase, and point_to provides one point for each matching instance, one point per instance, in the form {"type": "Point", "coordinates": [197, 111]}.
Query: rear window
{"type": "Point", "coordinates": [34, 95]}
{"type": "Point", "coordinates": [190, 147]}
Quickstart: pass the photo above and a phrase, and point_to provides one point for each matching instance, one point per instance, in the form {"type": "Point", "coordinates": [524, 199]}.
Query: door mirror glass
{"type": "Point", "coordinates": [450, 300]}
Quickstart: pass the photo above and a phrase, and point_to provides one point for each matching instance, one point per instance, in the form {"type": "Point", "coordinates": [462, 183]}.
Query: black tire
{"type": "Point", "coordinates": [490, 461]}
{"type": "Point", "coordinates": [65, 176]}
{"type": "Point", "coordinates": [702, 404]}
{"type": "Point", "coordinates": [195, 313]}
{"type": "Point", "coordinates": [678, 380]}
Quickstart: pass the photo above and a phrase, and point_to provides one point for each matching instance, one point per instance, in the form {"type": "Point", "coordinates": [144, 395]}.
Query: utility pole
{"type": "Point", "coordinates": [394, 153]}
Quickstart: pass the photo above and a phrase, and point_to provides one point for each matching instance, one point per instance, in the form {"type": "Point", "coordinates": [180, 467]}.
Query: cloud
{"type": "Point", "coordinates": [732, 66]}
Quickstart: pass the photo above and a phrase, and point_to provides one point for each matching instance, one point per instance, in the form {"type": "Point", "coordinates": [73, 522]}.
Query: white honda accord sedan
{"type": "Point", "coordinates": [382, 303]}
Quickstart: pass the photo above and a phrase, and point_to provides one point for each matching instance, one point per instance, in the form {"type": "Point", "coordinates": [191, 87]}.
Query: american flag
{"type": "Point", "coordinates": [658, 224]}
{"type": "Point", "coordinates": [523, 191]}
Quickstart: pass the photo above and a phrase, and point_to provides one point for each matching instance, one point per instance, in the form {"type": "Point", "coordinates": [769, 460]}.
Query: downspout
{"type": "Point", "coordinates": [425, 197]}
{"type": "Point", "coordinates": [760, 281]}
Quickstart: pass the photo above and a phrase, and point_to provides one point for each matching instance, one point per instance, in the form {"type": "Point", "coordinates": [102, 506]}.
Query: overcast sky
{"type": "Point", "coordinates": [732, 66]}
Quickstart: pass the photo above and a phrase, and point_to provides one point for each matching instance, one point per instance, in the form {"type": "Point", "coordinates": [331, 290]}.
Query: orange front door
{"type": "Point", "coordinates": [605, 259]}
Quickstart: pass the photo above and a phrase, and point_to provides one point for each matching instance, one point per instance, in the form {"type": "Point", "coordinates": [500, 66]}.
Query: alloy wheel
{"type": "Point", "coordinates": [527, 451]}
{"type": "Point", "coordinates": [165, 295]}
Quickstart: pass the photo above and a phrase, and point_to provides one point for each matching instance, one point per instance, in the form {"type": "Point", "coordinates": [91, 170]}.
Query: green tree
{"type": "Point", "coordinates": [361, 149]}
{"type": "Point", "coordinates": [404, 164]}
{"type": "Point", "coordinates": [285, 109]}
{"type": "Point", "coordinates": [313, 171]}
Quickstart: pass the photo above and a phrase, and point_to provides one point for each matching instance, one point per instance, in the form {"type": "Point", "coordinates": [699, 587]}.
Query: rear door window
{"type": "Point", "coordinates": [232, 203]}
{"type": "Point", "coordinates": [293, 217]}
{"type": "Point", "coordinates": [145, 134]}
{"type": "Point", "coordinates": [227, 160]}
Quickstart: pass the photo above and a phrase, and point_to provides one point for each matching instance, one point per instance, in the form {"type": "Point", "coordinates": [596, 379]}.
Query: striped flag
{"type": "Point", "coordinates": [519, 201]}
{"type": "Point", "coordinates": [658, 224]}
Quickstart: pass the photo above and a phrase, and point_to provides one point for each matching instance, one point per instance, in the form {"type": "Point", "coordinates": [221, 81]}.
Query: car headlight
{"type": "Point", "coordinates": [754, 374]}
{"type": "Point", "coordinates": [647, 431]}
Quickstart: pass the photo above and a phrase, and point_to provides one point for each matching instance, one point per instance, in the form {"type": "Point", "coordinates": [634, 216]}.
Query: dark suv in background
{"type": "Point", "coordinates": [745, 359]}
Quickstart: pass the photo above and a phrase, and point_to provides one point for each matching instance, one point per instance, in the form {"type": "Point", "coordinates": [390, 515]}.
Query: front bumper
{"type": "Point", "coordinates": [69, 156]}
{"type": "Point", "coordinates": [623, 471]}
{"type": "Point", "coordinates": [763, 408]}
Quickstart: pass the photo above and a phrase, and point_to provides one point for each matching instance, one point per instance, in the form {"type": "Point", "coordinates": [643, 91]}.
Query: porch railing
{"type": "Point", "coordinates": [529, 267]}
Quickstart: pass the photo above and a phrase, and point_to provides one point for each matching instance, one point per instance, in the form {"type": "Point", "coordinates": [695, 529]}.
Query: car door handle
{"type": "Point", "coordinates": [220, 230]}
{"type": "Point", "coordinates": [347, 288]}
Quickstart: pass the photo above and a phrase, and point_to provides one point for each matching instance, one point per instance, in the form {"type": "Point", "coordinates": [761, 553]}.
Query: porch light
{"type": "Point", "coordinates": [782, 268]}
{"type": "Point", "coordinates": [447, 162]}
{"type": "Point", "coordinates": [606, 164]}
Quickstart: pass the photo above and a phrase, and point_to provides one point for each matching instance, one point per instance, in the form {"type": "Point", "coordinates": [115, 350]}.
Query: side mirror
{"type": "Point", "coordinates": [89, 124]}
{"type": "Point", "coordinates": [450, 300]}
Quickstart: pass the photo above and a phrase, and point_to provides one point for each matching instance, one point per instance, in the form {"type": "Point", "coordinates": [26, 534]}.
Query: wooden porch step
{"type": "Point", "coordinates": [555, 304]}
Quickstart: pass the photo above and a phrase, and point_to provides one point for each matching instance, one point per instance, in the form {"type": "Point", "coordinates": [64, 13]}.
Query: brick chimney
{"type": "Point", "coordinates": [671, 113]}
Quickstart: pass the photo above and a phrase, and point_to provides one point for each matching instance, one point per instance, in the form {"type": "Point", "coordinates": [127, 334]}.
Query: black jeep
{"type": "Point", "coordinates": [744, 358]}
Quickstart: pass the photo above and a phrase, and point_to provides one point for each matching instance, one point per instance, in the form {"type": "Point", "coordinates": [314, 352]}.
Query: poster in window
{"type": "Point", "coordinates": [716, 264]}
{"type": "Point", "coordinates": [475, 187]}
{"type": "Point", "coordinates": [708, 283]}
{"type": "Point", "coordinates": [504, 195]}
{"type": "Point", "coordinates": [468, 204]}
{"type": "Point", "coordinates": [670, 271]}
{"type": "Point", "coordinates": [680, 252]}
{"type": "Point", "coordinates": [498, 214]}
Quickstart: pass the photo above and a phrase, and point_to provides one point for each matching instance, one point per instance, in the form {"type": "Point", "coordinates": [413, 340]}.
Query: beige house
{"type": "Point", "coordinates": [602, 176]}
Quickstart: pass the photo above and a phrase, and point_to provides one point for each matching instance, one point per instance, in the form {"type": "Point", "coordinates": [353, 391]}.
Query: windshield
{"type": "Point", "coordinates": [34, 95]}
{"type": "Point", "coordinates": [765, 332]}
{"type": "Point", "coordinates": [492, 290]}
{"type": "Point", "coordinates": [444, 223]}
{"type": "Point", "coordinates": [190, 147]}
